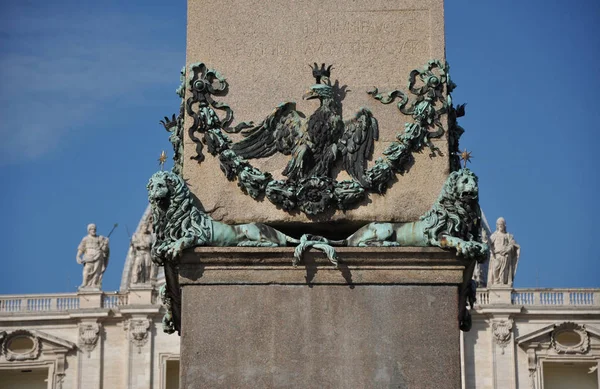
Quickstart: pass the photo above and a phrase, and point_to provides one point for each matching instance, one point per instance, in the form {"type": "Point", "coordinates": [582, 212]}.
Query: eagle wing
{"type": "Point", "coordinates": [357, 142]}
{"type": "Point", "coordinates": [279, 132]}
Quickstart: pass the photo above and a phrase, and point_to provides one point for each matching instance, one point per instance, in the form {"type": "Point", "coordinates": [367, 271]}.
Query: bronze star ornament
{"type": "Point", "coordinates": [466, 157]}
{"type": "Point", "coordinates": [162, 159]}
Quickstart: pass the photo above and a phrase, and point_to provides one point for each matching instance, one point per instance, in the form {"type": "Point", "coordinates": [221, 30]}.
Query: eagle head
{"type": "Point", "coordinates": [319, 91]}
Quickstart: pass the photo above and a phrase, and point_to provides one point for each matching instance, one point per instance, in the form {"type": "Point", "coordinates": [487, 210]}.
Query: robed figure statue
{"type": "Point", "coordinates": [504, 255]}
{"type": "Point", "coordinates": [93, 254]}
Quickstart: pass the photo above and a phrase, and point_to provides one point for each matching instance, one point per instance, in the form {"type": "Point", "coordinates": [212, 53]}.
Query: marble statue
{"type": "Point", "coordinates": [143, 269]}
{"type": "Point", "coordinates": [504, 255]}
{"type": "Point", "coordinates": [92, 253]}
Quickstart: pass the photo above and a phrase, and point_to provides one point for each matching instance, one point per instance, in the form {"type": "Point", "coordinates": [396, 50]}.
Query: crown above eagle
{"type": "Point", "coordinates": [323, 72]}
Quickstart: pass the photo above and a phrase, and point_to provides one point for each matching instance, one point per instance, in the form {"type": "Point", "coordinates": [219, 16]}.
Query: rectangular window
{"type": "Point", "coordinates": [172, 374]}
{"type": "Point", "coordinates": [569, 375]}
{"type": "Point", "coordinates": [24, 378]}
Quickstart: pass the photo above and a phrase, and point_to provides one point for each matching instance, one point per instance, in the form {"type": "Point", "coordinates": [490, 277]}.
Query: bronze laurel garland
{"type": "Point", "coordinates": [313, 193]}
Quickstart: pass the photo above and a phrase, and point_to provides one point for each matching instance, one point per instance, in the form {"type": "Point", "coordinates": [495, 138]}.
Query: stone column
{"type": "Point", "coordinates": [90, 365]}
{"type": "Point", "coordinates": [503, 352]}
{"type": "Point", "coordinates": [532, 368]}
{"type": "Point", "coordinates": [386, 318]}
{"type": "Point", "coordinates": [139, 352]}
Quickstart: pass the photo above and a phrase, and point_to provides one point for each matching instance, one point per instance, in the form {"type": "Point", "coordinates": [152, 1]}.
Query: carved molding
{"type": "Point", "coordinates": [501, 329]}
{"type": "Point", "coordinates": [532, 378]}
{"type": "Point", "coordinates": [59, 380]}
{"type": "Point", "coordinates": [11, 355]}
{"type": "Point", "coordinates": [532, 367]}
{"type": "Point", "coordinates": [138, 332]}
{"type": "Point", "coordinates": [570, 328]}
{"type": "Point", "coordinates": [88, 336]}
{"type": "Point", "coordinates": [559, 341]}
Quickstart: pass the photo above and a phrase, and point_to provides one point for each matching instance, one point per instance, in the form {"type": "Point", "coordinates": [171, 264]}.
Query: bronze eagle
{"type": "Point", "coordinates": [316, 143]}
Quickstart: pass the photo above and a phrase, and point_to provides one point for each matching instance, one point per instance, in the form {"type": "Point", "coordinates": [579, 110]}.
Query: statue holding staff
{"type": "Point", "coordinates": [92, 253]}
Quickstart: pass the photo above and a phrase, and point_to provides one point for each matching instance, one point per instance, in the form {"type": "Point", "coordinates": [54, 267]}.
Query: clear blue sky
{"type": "Point", "coordinates": [84, 84]}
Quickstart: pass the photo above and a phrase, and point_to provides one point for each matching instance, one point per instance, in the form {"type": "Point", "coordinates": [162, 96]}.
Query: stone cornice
{"type": "Point", "coordinates": [549, 311]}
{"type": "Point", "coordinates": [373, 265]}
{"type": "Point", "coordinates": [140, 309]}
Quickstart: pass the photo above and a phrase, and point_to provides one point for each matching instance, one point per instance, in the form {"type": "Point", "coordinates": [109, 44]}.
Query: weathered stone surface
{"type": "Point", "coordinates": [326, 336]}
{"type": "Point", "coordinates": [264, 48]}
{"type": "Point", "coordinates": [375, 265]}
{"type": "Point", "coordinates": [249, 319]}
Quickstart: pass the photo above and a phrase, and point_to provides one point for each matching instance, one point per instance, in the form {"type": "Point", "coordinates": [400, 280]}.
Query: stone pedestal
{"type": "Point", "coordinates": [141, 294]}
{"type": "Point", "coordinates": [500, 294]}
{"type": "Point", "coordinates": [387, 318]}
{"type": "Point", "coordinates": [90, 297]}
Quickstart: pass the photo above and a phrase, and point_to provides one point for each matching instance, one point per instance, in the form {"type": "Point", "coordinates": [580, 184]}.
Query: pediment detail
{"type": "Point", "coordinates": [54, 341]}
{"type": "Point", "coordinates": [561, 338]}
{"type": "Point", "coordinates": [22, 345]}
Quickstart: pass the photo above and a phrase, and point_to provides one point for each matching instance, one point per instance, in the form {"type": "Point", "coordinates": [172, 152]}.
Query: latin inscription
{"type": "Point", "coordinates": [367, 23]}
{"type": "Point", "coordinates": [332, 34]}
{"type": "Point", "coordinates": [334, 49]}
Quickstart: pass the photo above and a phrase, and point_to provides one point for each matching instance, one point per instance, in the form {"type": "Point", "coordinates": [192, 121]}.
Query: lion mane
{"type": "Point", "coordinates": [174, 215]}
{"type": "Point", "coordinates": [456, 212]}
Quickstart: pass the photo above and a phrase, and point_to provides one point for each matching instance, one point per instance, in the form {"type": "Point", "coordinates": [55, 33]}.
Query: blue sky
{"type": "Point", "coordinates": [83, 86]}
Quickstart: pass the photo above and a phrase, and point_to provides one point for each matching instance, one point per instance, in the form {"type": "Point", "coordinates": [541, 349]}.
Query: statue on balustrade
{"type": "Point", "coordinates": [504, 255]}
{"type": "Point", "coordinates": [92, 253]}
{"type": "Point", "coordinates": [144, 271]}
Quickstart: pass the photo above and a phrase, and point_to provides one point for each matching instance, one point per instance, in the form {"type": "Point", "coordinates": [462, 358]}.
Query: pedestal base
{"type": "Point", "coordinates": [386, 319]}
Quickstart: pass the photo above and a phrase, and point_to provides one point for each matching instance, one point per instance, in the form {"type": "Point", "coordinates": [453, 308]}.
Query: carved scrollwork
{"type": "Point", "coordinates": [570, 338]}
{"type": "Point", "coordinates": [138, 332]}
{"type": "Point", "coordinates": [59, 380]}
{"type": "Point", "coordinates": [21, 345]}
{"type": "Point", "coordinates": [89, 333]}
{"type": "Point", "coordinates": [318, 142]}
{"type": "Point", "coordinates": [532, 367]}
{"type": "Point", "coordinates": [501, 329]}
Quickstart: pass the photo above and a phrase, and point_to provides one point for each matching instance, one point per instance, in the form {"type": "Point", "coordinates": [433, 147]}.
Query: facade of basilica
{"type": "Point", "coordinates": [521, 338]}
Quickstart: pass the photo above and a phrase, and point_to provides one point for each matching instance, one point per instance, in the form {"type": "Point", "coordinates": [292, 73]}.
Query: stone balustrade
{"type": "Point", "coordinates": [56, 302]}
{"type": "Point", "coordinates": [482, 297]}
{"type": "Point", "coordinates": [545, 297]}
{"type": "Point", "coordinates": [114, 300]}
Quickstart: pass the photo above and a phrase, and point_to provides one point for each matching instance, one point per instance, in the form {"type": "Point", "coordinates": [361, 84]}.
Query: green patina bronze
{"type": "Point", "coordinates": [453, 221]}
{"type": "Point", "coordinates": [178, 224]}
{"type": "Point", "coordinates": [324, 139]}
{"type": "Point", "coordinates": [168, 324]}
{"type": "Point", "coordinates": [314, 146]}
{"type": "Point", "coordinates": [174, 126]}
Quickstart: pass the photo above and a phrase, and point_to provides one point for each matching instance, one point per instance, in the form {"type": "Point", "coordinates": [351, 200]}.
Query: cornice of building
{"type": "Point", "coordinates": [81, 305]}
